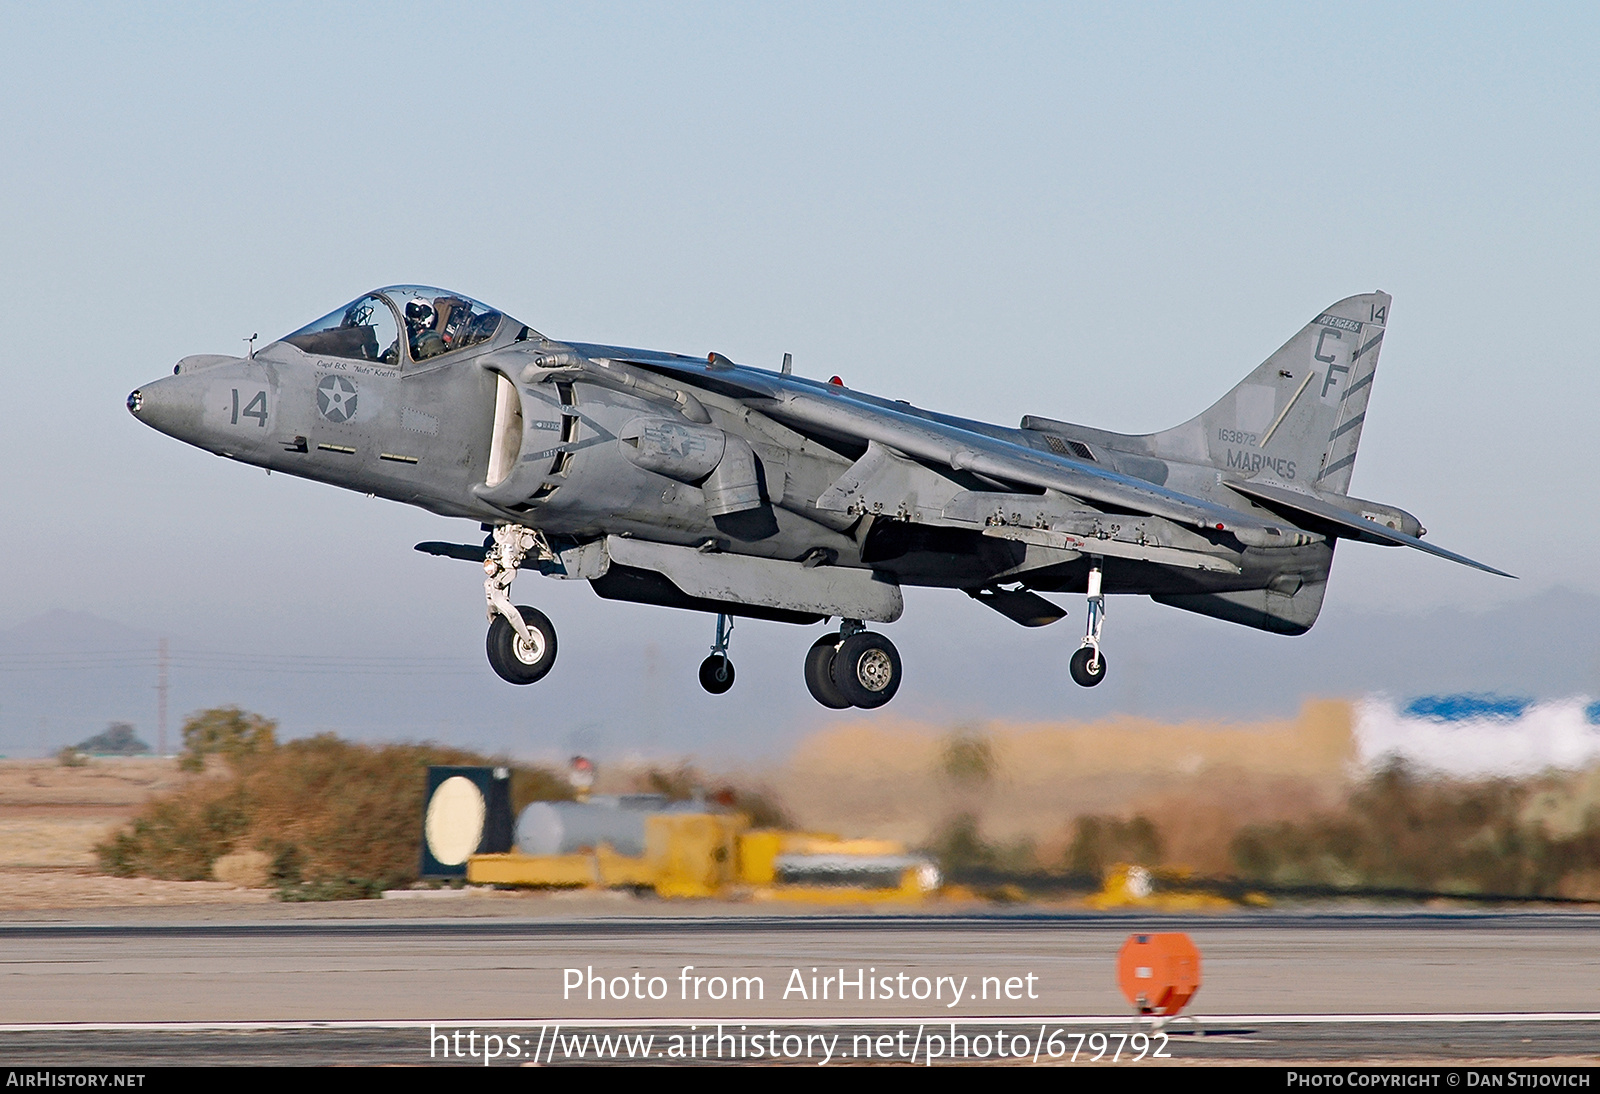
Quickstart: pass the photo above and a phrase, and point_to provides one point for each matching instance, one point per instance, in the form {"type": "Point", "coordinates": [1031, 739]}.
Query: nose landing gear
{"type": "Point", "coordinates": [1088, 665]}
{"type": "Point", "coordinates": [716, 671]}
{"type": "Point", "coordinates": [853, 668]}
{"type": "Point", "coordinates": [522, 641]}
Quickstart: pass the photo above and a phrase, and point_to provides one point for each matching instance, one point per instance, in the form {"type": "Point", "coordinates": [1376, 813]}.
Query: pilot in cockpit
{"type": "Point", "coordinates": [425, 340]}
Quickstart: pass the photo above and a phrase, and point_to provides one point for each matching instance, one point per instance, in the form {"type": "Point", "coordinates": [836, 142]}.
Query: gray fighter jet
{"type": "Point", "coordinates": [698, 483]}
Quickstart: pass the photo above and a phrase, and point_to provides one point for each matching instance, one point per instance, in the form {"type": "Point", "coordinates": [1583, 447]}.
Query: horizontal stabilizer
{"type": "Point", "coordinates": [1280, 498]}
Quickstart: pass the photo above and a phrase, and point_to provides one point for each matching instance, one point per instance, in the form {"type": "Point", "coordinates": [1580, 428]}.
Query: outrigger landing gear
{"type": "Point", "coordinates": [1088, 665]}
{"type": "Point", "coordinates": [716, 671]}
{"type": "Point", "coordinates": [853, 668]}
{"type": "Point", "coordinates": [522, 641]}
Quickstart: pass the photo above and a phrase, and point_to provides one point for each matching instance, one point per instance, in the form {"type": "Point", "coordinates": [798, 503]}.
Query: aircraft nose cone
{"type": "Point", "coordinates": [167, 405]}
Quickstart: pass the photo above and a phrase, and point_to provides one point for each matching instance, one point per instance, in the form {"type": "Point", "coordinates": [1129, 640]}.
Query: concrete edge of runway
{"type": "Point", "coordinates": [634, 924]}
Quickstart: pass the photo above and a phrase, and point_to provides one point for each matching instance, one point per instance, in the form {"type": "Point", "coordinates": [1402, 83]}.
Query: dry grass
{"type": "Point", "coordinates": [101, 785]}
{"type": "Point", "coordinates": [51, 841]}
{"type": "Point", "coordinates": [46, 889]}
{"type": "Point", "coordinates": [52, 816]}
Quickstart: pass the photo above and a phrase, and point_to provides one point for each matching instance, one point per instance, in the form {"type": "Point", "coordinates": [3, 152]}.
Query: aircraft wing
{"type": "Point", "coordinates": [963, 450]}
{"type": "Point", "coordinates": [1353, 524]}
{"type": "Point", "coordinates": [834, 410]}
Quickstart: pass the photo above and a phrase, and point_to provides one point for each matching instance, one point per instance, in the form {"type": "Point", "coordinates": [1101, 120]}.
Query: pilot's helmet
{"type": "Point", "coordinates": [419, 314]}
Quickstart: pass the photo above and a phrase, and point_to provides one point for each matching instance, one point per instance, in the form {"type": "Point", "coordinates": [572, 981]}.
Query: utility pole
{"type": "Point", "coordinates": [161, 701]}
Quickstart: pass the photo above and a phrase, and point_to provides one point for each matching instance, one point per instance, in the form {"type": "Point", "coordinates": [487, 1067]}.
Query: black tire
{"type": "Point", "coordinates": [866, 670]}
{"type": "Point", "coordinates": [1082, 672]}
{"type": "Point", "coordinates": [819, 673]}
{"type": "Point", "coordinates": [716, 673]}
{"type": "Point", "coordinates": [511, 658]}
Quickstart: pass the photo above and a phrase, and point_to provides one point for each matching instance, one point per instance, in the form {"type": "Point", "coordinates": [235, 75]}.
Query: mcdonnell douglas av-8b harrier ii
{"type": "Point", "coordinates": [698, 483]}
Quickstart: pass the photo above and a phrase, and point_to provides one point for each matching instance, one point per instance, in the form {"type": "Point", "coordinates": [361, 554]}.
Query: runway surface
{"type": "Point", "coordinates": [1332, 987]}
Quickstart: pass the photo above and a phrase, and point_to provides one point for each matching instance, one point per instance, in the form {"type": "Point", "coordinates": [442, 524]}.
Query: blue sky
{"type": "Point", "coordinates": [1106, 214]}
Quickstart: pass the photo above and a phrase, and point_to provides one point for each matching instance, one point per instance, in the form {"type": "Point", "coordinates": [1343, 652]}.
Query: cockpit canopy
{"type": "Point", "coordinates": [434, 322]}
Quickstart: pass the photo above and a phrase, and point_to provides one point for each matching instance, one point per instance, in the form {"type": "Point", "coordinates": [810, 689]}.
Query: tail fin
{"type": "Point", "coordinates": [1296, 418]}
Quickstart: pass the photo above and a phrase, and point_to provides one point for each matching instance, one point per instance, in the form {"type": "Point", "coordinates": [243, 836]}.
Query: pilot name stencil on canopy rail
{"type": "Point", "coordinates": [698, 483]}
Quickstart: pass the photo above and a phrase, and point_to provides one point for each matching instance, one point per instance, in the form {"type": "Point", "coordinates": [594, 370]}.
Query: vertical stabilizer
{"type": "Point", "coordinates": [1297, 418]}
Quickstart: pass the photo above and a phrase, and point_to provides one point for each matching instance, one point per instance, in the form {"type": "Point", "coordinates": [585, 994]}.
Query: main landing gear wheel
{"type": "Point", "coordinates": [716, 673]}
{"type": "Point", "coordinates": [866, 670]}
{"type": "Point", "coordinates": [518, 661]}
{"type": "Point", "coordinates": [819, 673]}
{"type": "Point", "coordinates": [1088, 666]}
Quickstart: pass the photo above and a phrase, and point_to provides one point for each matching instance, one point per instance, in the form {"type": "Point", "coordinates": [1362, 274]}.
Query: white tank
{"type": "Point", "coordinates": [562, 828]}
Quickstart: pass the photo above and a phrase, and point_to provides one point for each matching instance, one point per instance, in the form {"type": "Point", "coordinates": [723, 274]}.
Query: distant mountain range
{"type": "Point", "coordinates": [625, 683]}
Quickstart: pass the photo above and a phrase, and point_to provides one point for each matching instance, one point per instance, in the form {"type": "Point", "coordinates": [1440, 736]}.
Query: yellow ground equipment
{"type": "Point", "coordinates": [1164, 889]}
{"type": "Point", "coordinates": [683, 850]}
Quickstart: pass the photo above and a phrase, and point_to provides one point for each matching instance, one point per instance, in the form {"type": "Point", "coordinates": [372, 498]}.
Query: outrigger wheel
{"type": "Point", "coordinates": [1088, 666]}
{"type": "Point", "coordinates": [515, 660]}
{"type": "Point", "coordinates": [716, 673]}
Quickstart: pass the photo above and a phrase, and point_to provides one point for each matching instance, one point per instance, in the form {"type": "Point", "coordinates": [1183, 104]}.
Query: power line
{"type": "Point", "coordinates": [165, 660]}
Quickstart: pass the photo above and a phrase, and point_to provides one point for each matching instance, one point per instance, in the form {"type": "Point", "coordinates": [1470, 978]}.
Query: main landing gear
{"type": "Point", "coordinates": [716, 671]}
{"type": "Point", "coordinates": [522, 641]}
{"type": "Point", "coordinates": [1088, 665]}
{"type": "Point", "coordinates": [854, 667]}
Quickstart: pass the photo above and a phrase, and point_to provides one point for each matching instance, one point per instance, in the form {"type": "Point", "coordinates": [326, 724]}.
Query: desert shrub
{"type": "Point", "coordinates": [338, 819]}
{"type": "Point", "coordinates": [178, 837]}
{"type": "Point", "coordinates": [968, 758]}
{"type": "Point", "coordinates": [118, 739]}
{"type": "Point", "coordinates": [340, 811]}
{"type": "Point", "coordinates": [228, 732]}
{"type": "Point", "coordinates": [760, 804]}
{"type": "Point", "coordinates": [675, 784]}
{"type": "Point", "coordinates": [684, 782]}
{"type": "Point", "coordinates": [1099, 843]}
{"type": "Point", "coordinates": [537, 784]}
{"type": "Point", "coordinates": [1401, 830]}
{"type": "Point", "coordinates": [959, 846]}
{"type": "Point", "coordinates": [962, 850]}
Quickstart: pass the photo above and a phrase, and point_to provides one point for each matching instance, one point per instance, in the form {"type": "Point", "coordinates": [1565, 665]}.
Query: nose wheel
{"type": "Point", "coordinates": [1088, 665]}
{"type": "Point", "coordinates": [716, 671]}
{"type": "Point", "coordinates": [518, 659]}
{"type": "Point", "coordinates": [853, 668]}
{"type": "Point", "coordinates": [522, 641]}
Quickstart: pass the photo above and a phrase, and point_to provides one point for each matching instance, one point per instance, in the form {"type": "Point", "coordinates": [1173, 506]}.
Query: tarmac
{"type": "Point", "coordinates": [374, 982]}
